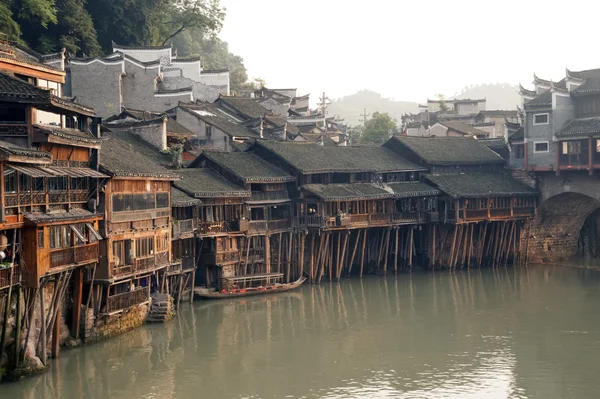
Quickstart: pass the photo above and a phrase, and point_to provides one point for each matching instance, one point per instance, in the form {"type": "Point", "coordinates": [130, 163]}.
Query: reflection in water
{"type": "Point", "coordinates": [495, 333]}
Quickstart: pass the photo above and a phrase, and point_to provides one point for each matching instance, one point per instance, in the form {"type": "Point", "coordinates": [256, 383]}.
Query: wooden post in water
{"type": "Point", "coordinates": [344, 248]}
{"type": "Point", "coordinates": [396, 253]}
{"type": "Point", "coordinates": [362, 257]}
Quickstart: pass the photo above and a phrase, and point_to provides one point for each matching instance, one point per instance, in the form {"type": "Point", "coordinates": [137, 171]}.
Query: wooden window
{"type": "Point", "coordinates": [162, 243]}
{"type": "Point", "coordinates": [93, 235]}
{"type": "Point", "coordinates": [80, 233]}
{"type": "Point", "coordinates": [571, 147]}
{"type": "Point", "coordinates": [60, 237]}
{"type": "Point", "coordinates": [540, 119]}
{"type": "Point", "coordinates": [10, 181]}
{"type": "Point", "coordinates": [24, 182]}
{"type": "Point", "coordinates": [162, 200]}
{"type": "Point", "coordinates": [122, 252]}
{"type": "Point", "coordinates": [541, 146]}
{"type": "Point", "coordinates": [144, 247]}
{"type": "Point", "coordinates": [40, 233]}
{"type": "Point", "coordinates": [79, 183]}
{"type": "Point", "coordinates": [59, 183]}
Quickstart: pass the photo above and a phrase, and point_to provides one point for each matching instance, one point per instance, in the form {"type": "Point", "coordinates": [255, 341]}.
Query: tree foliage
{"type": "Point", "coordinates": [378, 129]}
{"type": "Point", "coordinates": [89, 27]}
{"type": "Point", "coordinates": [443, 105]}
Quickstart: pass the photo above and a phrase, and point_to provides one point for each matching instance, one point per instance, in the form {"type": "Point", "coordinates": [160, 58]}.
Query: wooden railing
{"type": "Point", "coordinates": [209, 228]}
{"type": "Point", "coordinates": [500, 213]}
{"type": "Point", "coordinates": [269, 195]}
{"type": "Point", "coordinates": [5, 276]}
{"type": "Point", "coordinates": [408, 217]}
{"type": "Point", "coordinates": [13, 129]}
{"type": "Point", "coordinates": [187, 226]}
{"type": "Point", "coordinates": [161, 258]}
{"type": "Point", "coordinates": [174, 267]}
{"type": "Point", "coordinates": [74, 255]}
{"type": "Point", "coordinates": [380, 218]}
{"type": "Point", "coordinates": [524, 211]}
{"type": "Point", "coordinates": [145, 263]}
{"type": "Point", "coordinates": [276, 225]}
{"type": "Point", "coordinates": [310, 221]}
{"type": "Point", "coordinates": [257, 226]}
{"type": "Point", "coordinates": [120, 270]}
{"type": "Point", "coordinates": [188, 263]}
{"type": "Point", "coordinates": [127, 299]}
{"type": "Point", "coordinates": [473, 214]}
{"type": "Point", "coordinates": [227, 257]}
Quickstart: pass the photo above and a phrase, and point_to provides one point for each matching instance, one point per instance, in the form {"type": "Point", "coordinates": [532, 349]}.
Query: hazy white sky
{"type": "Point", "coordinates": [409, 50]}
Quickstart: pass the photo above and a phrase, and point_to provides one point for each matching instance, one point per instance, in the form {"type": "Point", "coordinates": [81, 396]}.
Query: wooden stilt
{"type": "Point", "coordinates": [42, 328]}
{"type": "Point", "coordinates": [433, 246]}
{"type": "Point", "coordinates": [289, 259]}
{"type": "Point", "coordinates": [396, 253]}
{"type": "Point", "coordinates": [451, 258]}
{"type": "Point", "coordinates": [410, 249]}
{"type": "Point", "coordinates": [387, 249]}
{"type": "Point", "coordinates": [354, 252]}
{"type": "Point", "coordinates": [77, 299]}
{"type": "Point", "coordinates": [301, 259]}
{"type": "Point", "coordinates": [362, 257]}
{"type": "Point", "coordinates": [56, 334]}
{"type": "Point", "coordinates": [344, 248]}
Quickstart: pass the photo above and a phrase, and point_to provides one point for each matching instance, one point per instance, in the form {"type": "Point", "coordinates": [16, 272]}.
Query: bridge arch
{"type": "Point", "coordinates": [567, 202]}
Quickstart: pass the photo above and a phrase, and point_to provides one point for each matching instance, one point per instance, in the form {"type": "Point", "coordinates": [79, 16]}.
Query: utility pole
{"type": "Point", "coordinates": [323, 107]}
{"type": "Point", "coordinates": [364, 117]}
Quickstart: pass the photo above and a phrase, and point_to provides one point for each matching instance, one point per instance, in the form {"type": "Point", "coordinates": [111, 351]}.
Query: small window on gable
{"type": "Point", "coordinates": [540, 119]}
{"type": "Point", "coordinates": [208, 132]}
{"type": "Point", "coordinates": [542, 146]}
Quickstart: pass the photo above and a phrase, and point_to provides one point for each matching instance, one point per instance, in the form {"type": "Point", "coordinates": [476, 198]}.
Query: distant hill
{"type": "Point", "coordinates": [499, 96]}
{"type": "Point", "coordinates": [351, 107]}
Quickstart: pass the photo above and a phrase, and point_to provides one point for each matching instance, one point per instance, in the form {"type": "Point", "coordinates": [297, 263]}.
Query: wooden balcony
{"type": "Point", "coordinates": [409, 217]}
{"type": "Point", "coordinates": [175, 267]}
{"type": "Point", "coordinates": [5, 276]}
{"type": "Point", "coordinates": [312, 221]}
{"type": "Point", "coordinates": [474, 215]}
{"type": "Point", "coordinates": [78, 255]}
{"type": "Point", "coordinates": [13, 129]}
{"type": "Point", "coordinates": [259, 196]}
{"type": "Point", "coordinates": [188, 263]}
{"type": "Point", "coordinates": [184, 227]}
{"type": "Point", "coordinates": [126, 300]}
{"type": "Point", "coordinates": [264, 226]}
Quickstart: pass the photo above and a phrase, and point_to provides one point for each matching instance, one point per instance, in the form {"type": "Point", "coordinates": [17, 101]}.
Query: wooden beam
{"type": "Point", "coordinates": [77, 299]}
{"type": "Point", "coordinates": [362, 257]}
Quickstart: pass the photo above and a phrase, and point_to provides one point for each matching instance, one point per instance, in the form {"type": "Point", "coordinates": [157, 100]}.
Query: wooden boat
{"type": "Point", "coordinates": [234, 287]}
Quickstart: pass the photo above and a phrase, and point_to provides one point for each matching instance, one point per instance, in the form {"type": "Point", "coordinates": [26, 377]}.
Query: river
{"type": "Point", "coordinates": [525, 333]}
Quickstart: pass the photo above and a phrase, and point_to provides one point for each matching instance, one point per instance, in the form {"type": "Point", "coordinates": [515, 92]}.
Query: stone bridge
{"type": "Point", "coordinates": [566, 203]}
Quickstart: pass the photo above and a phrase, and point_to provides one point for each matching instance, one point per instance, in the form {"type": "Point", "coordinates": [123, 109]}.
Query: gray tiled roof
{"type": "Point", "coordinates": [211, 115]}
{"type": "Point", "coordinates": [470, 185]}
{"type": "Point", "coordinates": [314, 158]}
{"type": "Point", "coordinates": [245, 106]}
{"type": "Point", "coordinates": [127, 155]}
{"type": "Point", "coordinates": [201, 183]}
{"type": "Point", "coordinates": [412, 189]}
{"type": "Point", "coordinates": [580, 127]}
{"type": "Point", "coordinates": [181, 199]}
{"type": "Point", "coordinates": [591, 85]}
{"type": "Point", "coordinates": [336, 192]}
{"type": "Point", "coordinates": [7, 148]}
{"type": "Point", "coordinates": [450, 150]}
{"type": "Point", "coordinates": [541, 100]}
{"type": "Point", "coordinates": [16, 90]}
{"type": "Point", "coordinates": [248, 166]}
{"type": "Point", "coordinates": [463, 128]}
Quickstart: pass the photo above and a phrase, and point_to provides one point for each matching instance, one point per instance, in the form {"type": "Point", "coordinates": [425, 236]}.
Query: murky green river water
{"type": "Point", "coordinates": [529, 333]}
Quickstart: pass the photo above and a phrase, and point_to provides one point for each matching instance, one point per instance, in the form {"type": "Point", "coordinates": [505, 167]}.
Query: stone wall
{"type": "Point", "coordinates": [97, 85]}
{"type": "Point", "coordinates": [154, 133]}
{"type": "Point", "coordinates": [111, 326]}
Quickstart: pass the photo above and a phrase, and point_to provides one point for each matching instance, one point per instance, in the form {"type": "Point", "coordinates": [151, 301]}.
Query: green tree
{"type": "Point", "coordinates": [206, 15]}
{"type": "Point", "coordinates": [443, 104]}
{"type": "Point", "coordinates": [8, 25]}
{"type": "Point", "coordinates": [378, 129]}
